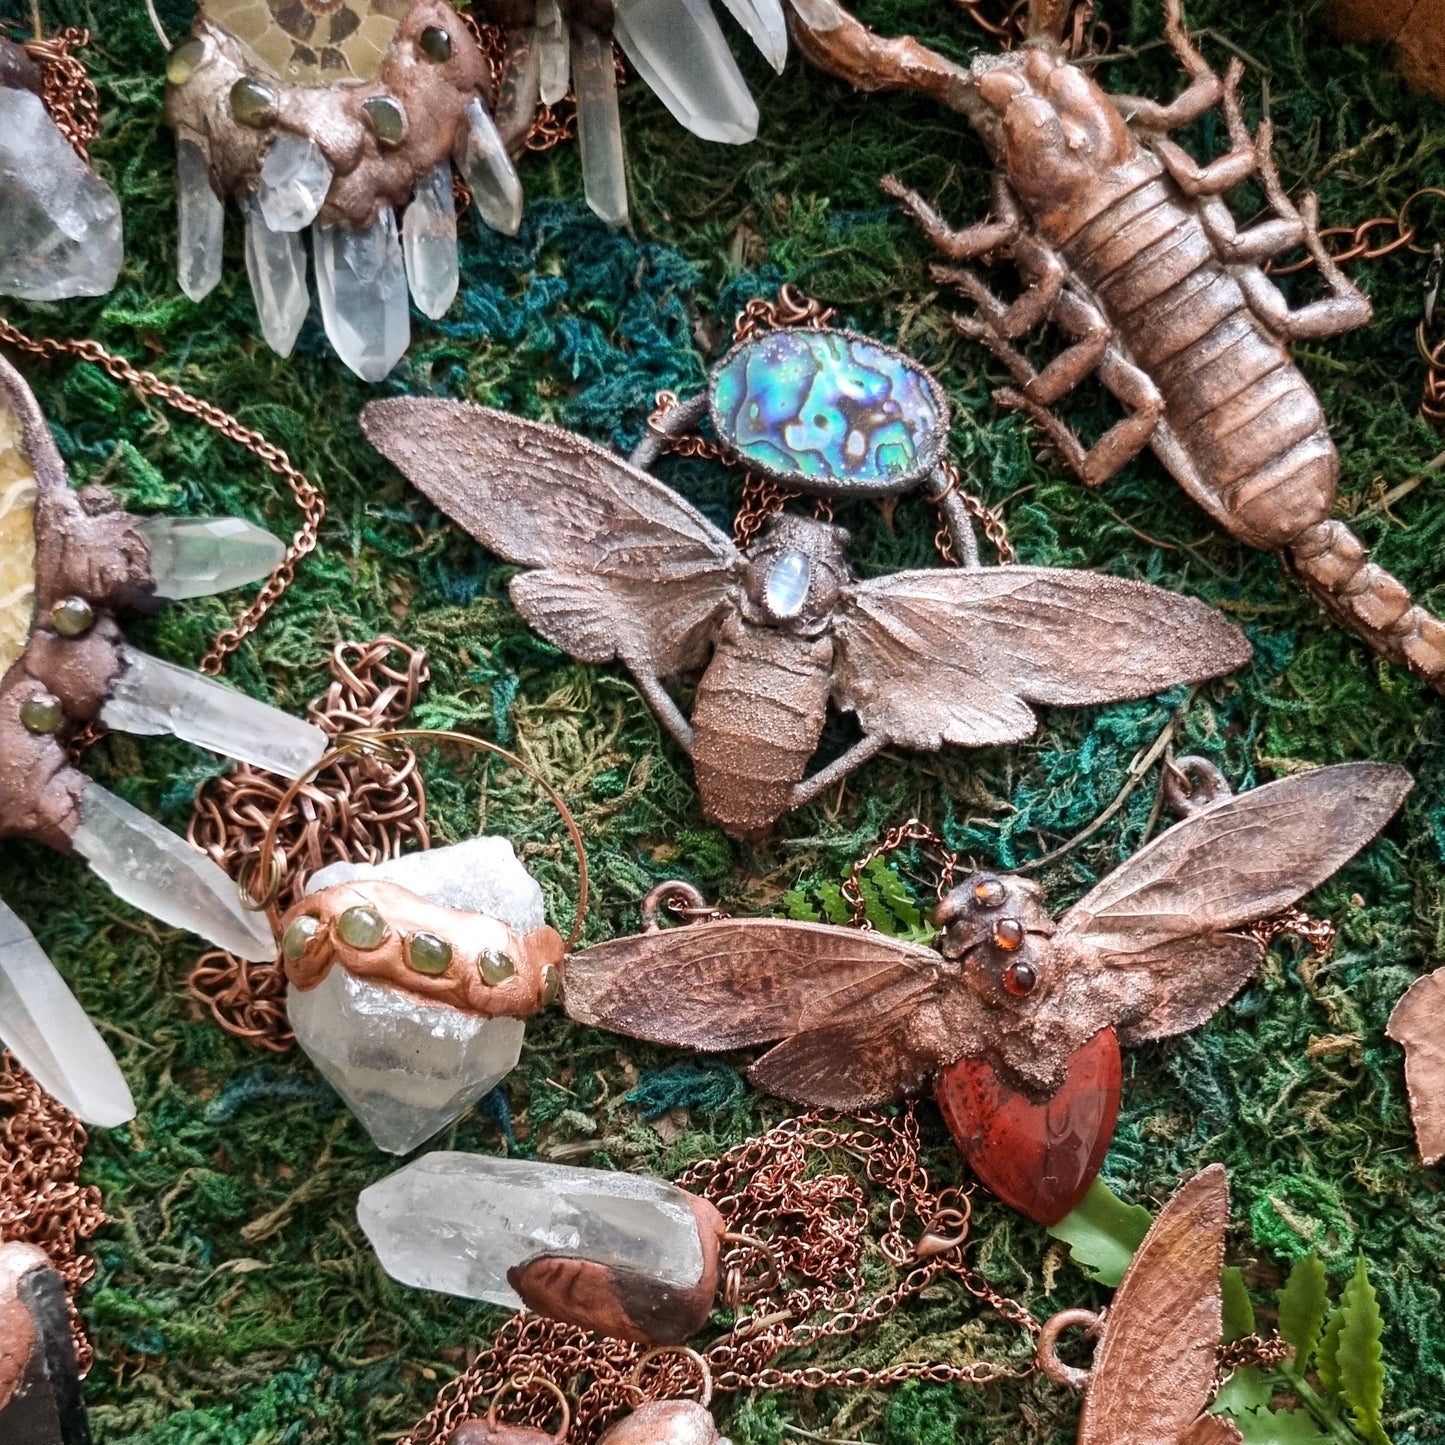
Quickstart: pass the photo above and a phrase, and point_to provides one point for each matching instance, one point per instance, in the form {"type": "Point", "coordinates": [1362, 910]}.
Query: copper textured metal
{"type": "Point", "coordinates": [1152, 951]}
{"type": "Point", "coordinates": [1158, 1342]}
{"type": "Point", "coordinates": [626, 569]}
{"type": "Point", "coordinates": [40, 1400]}
{"type": "Point", "coordinates": [1417, 28]}
{"type": "Point", "coordinates": [817, 1223]}
{"type": "Point", "coordinates": [65, 86]}
{"type": "Point", "coordinates": [1124, 242]}
{"type": "Point", "coordinates": [370, 173]}
{"type": "Point", "coordinates": [1417, 1024]}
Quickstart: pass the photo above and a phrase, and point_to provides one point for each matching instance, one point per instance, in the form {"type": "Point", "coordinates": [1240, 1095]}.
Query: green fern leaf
{"type": "Point", "coordinates": [1102, 1233]}
{"type": "Point", "coordinates": [1238, 1312]}
{"type": "Point", "coordinates": [797, 906]}
{"type": "Point", "coordinates": [1327, 1365]}
{"type": "Point", "coordinates": [1302, 1305]}
{"type": "Point", "coordinates": [892, 894]}
{"type": "Point", "coordinates": [1278, 1427]}
{"type": "Point", "coordinates": [1359, 1358]}
{"type": "Point", "coordinates": [835, 907]}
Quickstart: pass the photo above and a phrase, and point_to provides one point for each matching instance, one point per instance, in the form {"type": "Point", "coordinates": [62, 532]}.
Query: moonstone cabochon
{"type": "Point", "coordinates": [829, 411]}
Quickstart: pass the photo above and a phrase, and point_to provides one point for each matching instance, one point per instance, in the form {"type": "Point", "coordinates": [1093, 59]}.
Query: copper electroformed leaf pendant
{"type": "Point", "coordinates": [1013, 1017]}
{"type": "Point", "coordinates": [1123, 242]}
{"type": "Point", "coordinates": [623, 568]}
{"type": "Point", "coordinates": [1417, 1024]}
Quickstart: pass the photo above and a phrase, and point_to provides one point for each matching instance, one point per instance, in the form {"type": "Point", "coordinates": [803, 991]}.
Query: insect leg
{"type": "Point", "coordinates": [810, 788]}
{"type": "Point", "coordinates": [668, 712]}
{"type": "Point", "coordinates": [972, 241]}
{"type": "Point", "coordinates": [1237, 164]}
{"type": "Point", "coordinates": [1202, 93]}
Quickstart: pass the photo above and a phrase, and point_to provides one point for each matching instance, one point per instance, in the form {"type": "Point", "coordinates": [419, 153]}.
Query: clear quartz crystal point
{"type": "Point", "coordinates": [406, 1068]}
{"type": "Point", "coordinates": [199, 556]}
{"type": "Point", "coordinates": [458, 1222]}
{"type": "Point", "coordinates": [152, 869]}
{"type": "Point", "coordinates": [44, 1026]}
{"type": "Point", "coordinates": [361, 282]}
{"type": "Point", "coordinates": [60, 231]}
{"type": "Point", "coordinates": [488, 170]}
{"type": "Point", "coordinates": [766, 26]}
{"type": "Point", "coordinates": [819, 15]}
{"type": "Point", "coordinates": [295, 178]}
{"type": "Point", "coordinates": [152, 696]}
{"type": "Point", "coordinates": [200, 223]}
{"type": "Point", "coordinates": [429, 243]}
{"type": "Point", "coordinates": [599, 128]}
{"type": "Point", "coordinates": [553, 51]}
{"type": "Point", "coordinates": [521, 83]}
{"type": "Point", "coordinates": [680, 51]}
{"type": "Point", "coordinates": [276, 264]}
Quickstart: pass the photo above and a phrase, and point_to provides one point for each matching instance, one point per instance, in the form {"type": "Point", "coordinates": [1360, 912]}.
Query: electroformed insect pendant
{"type": "Point", "coordinates": [624, 568]}
{"type": "Point", "coordinates": [330, 116]}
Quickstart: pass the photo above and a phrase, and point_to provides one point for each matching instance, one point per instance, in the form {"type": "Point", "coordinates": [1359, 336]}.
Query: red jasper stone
{"type": "Point", "coordinates": [1038, 1158]}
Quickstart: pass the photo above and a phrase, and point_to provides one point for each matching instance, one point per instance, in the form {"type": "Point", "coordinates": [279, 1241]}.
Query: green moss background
{"type": "Point", "coordinates": [235, 1300]}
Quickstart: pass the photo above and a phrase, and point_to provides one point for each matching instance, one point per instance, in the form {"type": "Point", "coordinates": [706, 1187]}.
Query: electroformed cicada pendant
{"type": "Point", "coordinates": [331, 117]}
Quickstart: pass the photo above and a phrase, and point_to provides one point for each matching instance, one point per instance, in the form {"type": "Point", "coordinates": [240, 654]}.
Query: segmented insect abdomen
{"type": "Point", "coordinates": [1243, 415]}
{"type": "Point", "coordinates": [758, 712]}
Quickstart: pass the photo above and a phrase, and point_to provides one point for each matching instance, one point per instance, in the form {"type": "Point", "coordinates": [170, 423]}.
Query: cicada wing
{"type": "Point", "coordinates": [629, 568]}
{"type": "Point", "coordinates": [738, 982]}
{"type": "Point", "coordinates": [1154, 1369]}
{"type": "Point", "coordinates": [887, 1051]}
{"type": "Point", "coordinates": [1162, 919]}
{"type": "Point", "coordinates": [933, 657]}
{"type": "Point", "coordinates": [1212, 1430]}
{"type": "Point", "coordinates": [1415, 1024]}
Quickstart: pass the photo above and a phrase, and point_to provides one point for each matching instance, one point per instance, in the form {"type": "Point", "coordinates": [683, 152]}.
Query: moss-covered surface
{"type": "Point", "coordinates": [235, 1299]}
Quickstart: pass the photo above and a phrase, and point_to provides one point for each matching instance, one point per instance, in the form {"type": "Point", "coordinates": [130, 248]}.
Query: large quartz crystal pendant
{"type": "Point", "coordinates": [458, 1222]}
{"type": "Point", "coordinates": [408, 1067]}
{"type": "Point", "coordinates": [60, 232]}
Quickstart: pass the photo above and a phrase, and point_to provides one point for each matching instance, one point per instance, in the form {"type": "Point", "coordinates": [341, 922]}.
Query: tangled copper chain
{"type": "Point", "coordinates": [913, 831]}
{"type": "Point", "coordinates": [362, 808]}
{"type": "Point", "coordinates": [67, 90]}
{"type": "Point", "coordinates": [308, 498]}
{"type": "Point", "coordinates": [762, 496]}
{"type": "Point", "coordinates": [42, 1201]}
{"type": "Point", "coordinates": [817, 1222]}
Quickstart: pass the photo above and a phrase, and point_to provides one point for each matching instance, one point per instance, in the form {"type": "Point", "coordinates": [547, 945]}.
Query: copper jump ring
{"type": "Point", "coordinates": [519, 1384]}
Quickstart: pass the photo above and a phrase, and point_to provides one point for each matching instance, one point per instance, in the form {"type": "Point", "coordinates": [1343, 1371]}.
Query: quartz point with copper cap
{"type": "Point", "coordinates": [295, 177]}
{"type": "Point", "coordinates": [457, 1223]}
{"type": "Point", "coordinates": [276, 265]}
{"type": "Point", "coordinates": [429, 244]}
{"type": "Point", "coordinates": [361, 283]}
{"type": "Point", "coordinates": [599, 127]}
{"type": "Point", "coordinates": [487, 168]}
{"type": "Point", "coordinates": [199, 556]}
{"type": "Point", "coordinates": [200, 222]}
{"type": "Point", "coordinates": [407, 1066]}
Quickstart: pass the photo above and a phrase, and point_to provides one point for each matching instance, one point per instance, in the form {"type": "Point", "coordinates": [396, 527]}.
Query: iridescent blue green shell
{"type": "Point", "coordinates": [829, 411]}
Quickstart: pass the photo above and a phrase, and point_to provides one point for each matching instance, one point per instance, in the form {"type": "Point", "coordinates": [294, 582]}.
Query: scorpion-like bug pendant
{"type": "Point", "coordinates": [1124, 242]}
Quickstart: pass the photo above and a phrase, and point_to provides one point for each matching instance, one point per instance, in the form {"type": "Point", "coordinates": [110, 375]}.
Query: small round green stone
{"type": "Point", "coordinates": [41, 713]}
{"type": "Point", "coordinates": [72, 616]}
{"type": "Point", "coordinates": [435, 44]}
{"type": "Point", "coordinates": [496, 968]}
{"type": "Point", "coordinates": [299, 932]}
{"type": "Point", "coordinates": [361, 927]}
{"type": "Point", "coordinates": [252, 103]}
{"type": "Point", "coordinates": [551, 984]}
{"type": "Point", "coordinates": [183, 62]}
{"type": "Point", "coordinates": [387, 119]}
{"type": "Point", "coordinates": [429, 954]}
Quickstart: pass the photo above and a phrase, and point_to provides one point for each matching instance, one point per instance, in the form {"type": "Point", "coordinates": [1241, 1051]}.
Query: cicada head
{"type": "Point", "coordinates": [997, 926]}
{"type": "Point", "coordinates": [796, 572]}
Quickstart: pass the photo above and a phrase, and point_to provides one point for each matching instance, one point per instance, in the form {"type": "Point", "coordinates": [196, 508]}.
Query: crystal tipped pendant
{"type": "Point", "coordinates": [295, 178]}
{"type": "Point", "coordinates": [766, 26]}
{"type": "Point", "coordinates": [458, 1222]}
{"type": "Point", "coordinates": [276, 264]}
{"type": "Point", "coordinates": [680, 51]}
{"type": "Point", "coordinates": [429, 243]}
{"type": "Point", "coordinates": [599, 129]}
{"type": "Point", "coordinates": [44, 1026]}
{"type": "Point", "coordinates": [60, 232]}
{"type": "Point", "coordinates": [361, 282]}
{"type": "Point", "coordinates": [199, 556]}
{"type": "Point", "coordinates": [200, 223]}
{"type": "Point", "coordinates": [151, 697]}
{"type": "Point", "coordinates": [152, 869]}
{"type": "Point", "coordinates": [488, 170]}
{"type": "Point", "coordinates": [554, 64]}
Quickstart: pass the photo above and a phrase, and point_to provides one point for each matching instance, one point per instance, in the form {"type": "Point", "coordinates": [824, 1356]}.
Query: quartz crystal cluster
{"type": "Point", "coordinates": [406, 1065]}
{"type": "Point", "coordinates": [457, 1223]}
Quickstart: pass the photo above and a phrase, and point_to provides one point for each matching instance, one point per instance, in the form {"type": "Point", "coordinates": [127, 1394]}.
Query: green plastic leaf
{"type": "Point", "coordinates": [797, 907]}
{"type": "Point", "coordinates": [1302, 1305]}
{"type": "Point", "coordinates": [1279, 1427]}
{"type": "Point", "coordinates": [1327, 1356]}
{"type": "Point", "coordinates": [1238, 1311]}
{"type": "Point", "coordinates": [1102, 1233]}
{"type": "Point", "coordinates": [1359, 1359]}
{"type": "Point", "coordinates": [1244, 1391]}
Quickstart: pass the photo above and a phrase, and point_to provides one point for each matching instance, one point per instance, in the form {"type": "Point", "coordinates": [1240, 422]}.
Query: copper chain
{"type": "Point", "coordinates": [817, 1223]}
{"type": "Point", "coordinates": [913, 831]}
{"type": "Point", "coordinates": [992, 524]}
{"type": "Point", "coordinates": [67, 90]}
{"type": "Point", "coordinates": [363, 808]}
{"type": "Point", "coordinates": [1319, 933]}
{"type": "Point", "coordinates": [308, 498]}
{"type": "Point", "coordinates": [42, 1201]}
